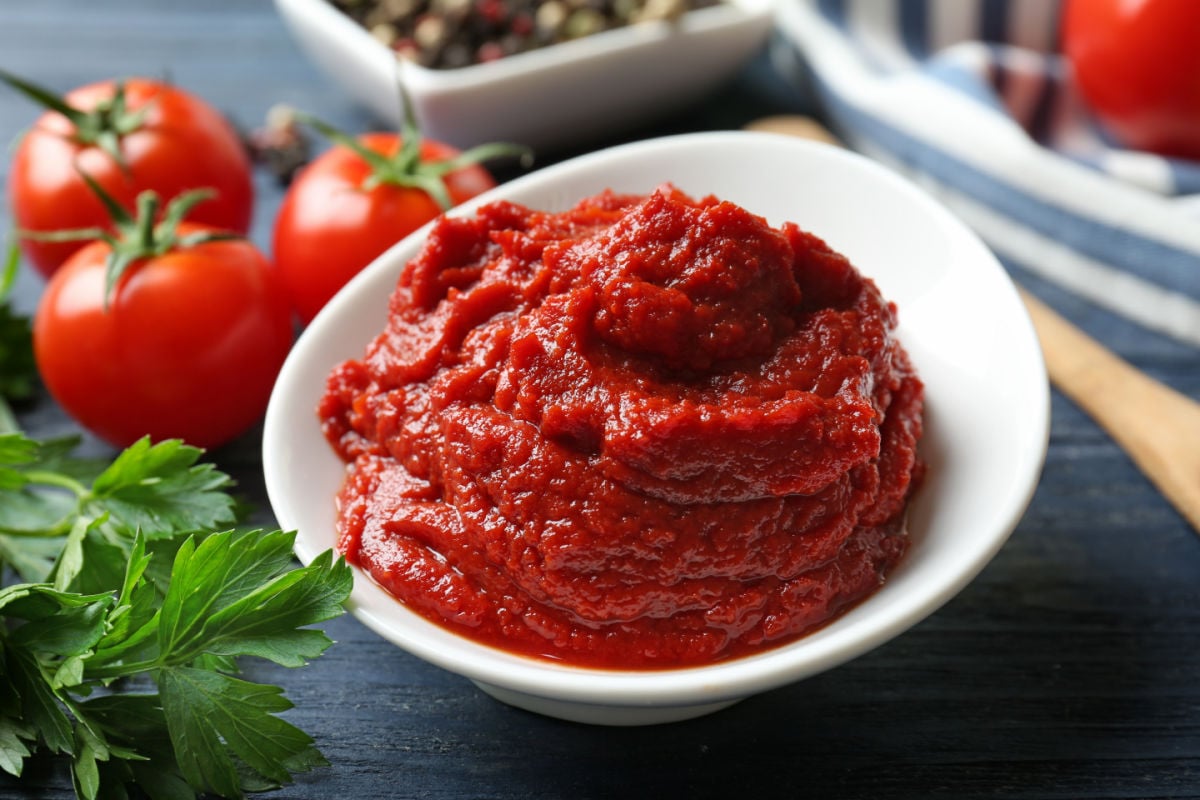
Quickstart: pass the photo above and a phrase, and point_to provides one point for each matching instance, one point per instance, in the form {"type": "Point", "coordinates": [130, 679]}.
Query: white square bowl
{"type": "Point", "coordinates": [556, 97]}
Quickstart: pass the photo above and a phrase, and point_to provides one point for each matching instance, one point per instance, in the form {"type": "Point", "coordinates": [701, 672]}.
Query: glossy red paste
{"type": "Point", "coordinates": [645, 432]}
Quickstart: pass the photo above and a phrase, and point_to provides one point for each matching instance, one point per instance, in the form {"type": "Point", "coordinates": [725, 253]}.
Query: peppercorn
{"type": "Point", "coordinates": [280, 144]}
{"type": "Point", "coordinates": [447, 34]}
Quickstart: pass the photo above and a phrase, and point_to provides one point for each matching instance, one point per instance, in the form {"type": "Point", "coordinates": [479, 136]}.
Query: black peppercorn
{"type": "Point", "coordinates": [447, 34]}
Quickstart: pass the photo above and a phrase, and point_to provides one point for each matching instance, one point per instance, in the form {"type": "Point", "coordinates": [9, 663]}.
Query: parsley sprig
{"type": "Point", "coordinates": [138, 591]}
{"type": "Point", "coordinates": [18, 374]}
{"type": "Point", "coordinates": [133, 594]}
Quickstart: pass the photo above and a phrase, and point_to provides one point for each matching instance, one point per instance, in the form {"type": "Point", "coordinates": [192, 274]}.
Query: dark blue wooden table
{"type": "Point", "coordinates": [1069, 669]}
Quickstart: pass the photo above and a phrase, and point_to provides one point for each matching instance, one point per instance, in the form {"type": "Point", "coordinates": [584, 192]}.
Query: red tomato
{"type": "Point", "coordinates": [329, 227]}
{"type": "Point", "coordinates": [189, 346]}
{"type": "Point", "coordinates": [182, 143]}
{"type": "Point", "coordinates": [1137, 63]}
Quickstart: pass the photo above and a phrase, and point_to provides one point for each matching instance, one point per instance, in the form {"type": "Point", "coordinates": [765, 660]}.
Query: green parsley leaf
{"type": "Point", "coordinates": [136, 722]}
{"type": "Point", "coordinates": [267, 622]}
{"type": "Point", "coordinates": [214, 719]}
{"type": "Point", "coordinates": [15, 739]}
{"type": "Point", "coordinates": [70, 560]}
{"type": "Point", "coordinates": [71, 631]}
{"type": "Point", "coordinates": [85, 770]}
{"type": "Point", "coordinates": [16, 449]}
{"type": "Point", "coordinates": [137, 588]}
{"type": "Point", "coordinates": [160, 490]}
{"type": "Point", "coordinates": [106, 561]}
{"type": "Point", "coordinates": [18, 371]}
{"type": "Point", "coordinates": [31, 558]}
{"type": "Point", "coordinates": [39, 490]}
{"type": "Point", "coordinates": [38, 701]}
{"type": "Point", "coordinates": [34, 602]}
{"type": "Point", "coordinates": [214, 574]}
{"type": "Point", "coordinates": [231, 596]}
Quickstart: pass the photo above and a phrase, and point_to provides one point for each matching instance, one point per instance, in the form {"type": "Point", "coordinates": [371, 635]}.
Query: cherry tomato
{"type": "Point", "coordinates": [180, 143]}
{"type": "Point", "coordinates": [1137, 63]}
{"type": "Point", "coordinates": [188, 347]}
{"type": "Point", "coordinates": [330, 227]}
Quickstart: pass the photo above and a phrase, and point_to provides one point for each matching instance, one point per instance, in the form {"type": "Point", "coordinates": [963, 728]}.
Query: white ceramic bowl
{"type": "Point", "coordinates": [555, 97]}
{"type": "Point", "coordinates": [960, 319]}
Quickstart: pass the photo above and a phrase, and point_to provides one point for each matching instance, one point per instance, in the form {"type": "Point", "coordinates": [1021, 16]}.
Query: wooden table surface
{"type": "Point", "coordinates": [1069, 669]}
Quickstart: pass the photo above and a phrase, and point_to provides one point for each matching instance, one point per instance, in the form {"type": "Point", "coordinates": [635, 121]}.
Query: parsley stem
{"type": "Point", "coordinates": [59, 529]}
{"type": "Point", "coordinates": [8, 420]}
{"type": "Point", "coordinates": [46, 478]}
{"type": "Point", "coordinates": [114, 671]}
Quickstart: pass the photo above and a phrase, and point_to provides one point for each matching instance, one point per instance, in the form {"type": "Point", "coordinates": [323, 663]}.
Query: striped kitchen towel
{"type": "Point", "coordinates": [972, 99]}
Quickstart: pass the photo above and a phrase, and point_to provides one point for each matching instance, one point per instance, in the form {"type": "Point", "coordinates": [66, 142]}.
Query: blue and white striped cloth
{"type": "Point", "coordinates": [972, 99]}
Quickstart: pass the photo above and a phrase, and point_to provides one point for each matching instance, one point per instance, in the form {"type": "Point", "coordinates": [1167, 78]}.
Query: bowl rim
{"type": "Point", "coordinates": [601, 45]}
{"type": "Point", "coordinates": [733, 678]}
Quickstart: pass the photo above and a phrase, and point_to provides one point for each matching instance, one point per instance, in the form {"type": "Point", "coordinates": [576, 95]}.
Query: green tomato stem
{"type": "Point", "coordinates": [406, 168]}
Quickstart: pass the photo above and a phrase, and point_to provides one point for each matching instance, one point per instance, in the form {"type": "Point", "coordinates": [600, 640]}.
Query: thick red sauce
{"type": "Point", "coordinates": [646, 432]}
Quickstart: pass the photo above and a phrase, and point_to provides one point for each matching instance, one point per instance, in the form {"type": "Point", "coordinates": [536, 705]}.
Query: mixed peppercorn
{"type": "Point", "coordinates": [447, 34]}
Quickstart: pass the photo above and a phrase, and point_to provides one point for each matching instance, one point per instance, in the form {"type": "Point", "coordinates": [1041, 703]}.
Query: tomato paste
{"type": "Point", "coordinates": [647, 432]}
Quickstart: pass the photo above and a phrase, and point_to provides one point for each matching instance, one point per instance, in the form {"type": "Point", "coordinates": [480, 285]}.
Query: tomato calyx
{"type": "Point", "coordinates": [406, 168]}
{"type": "Point", "coordinates": [139, 235]}
{"type": "Point", "coordinates": [102, 126]}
